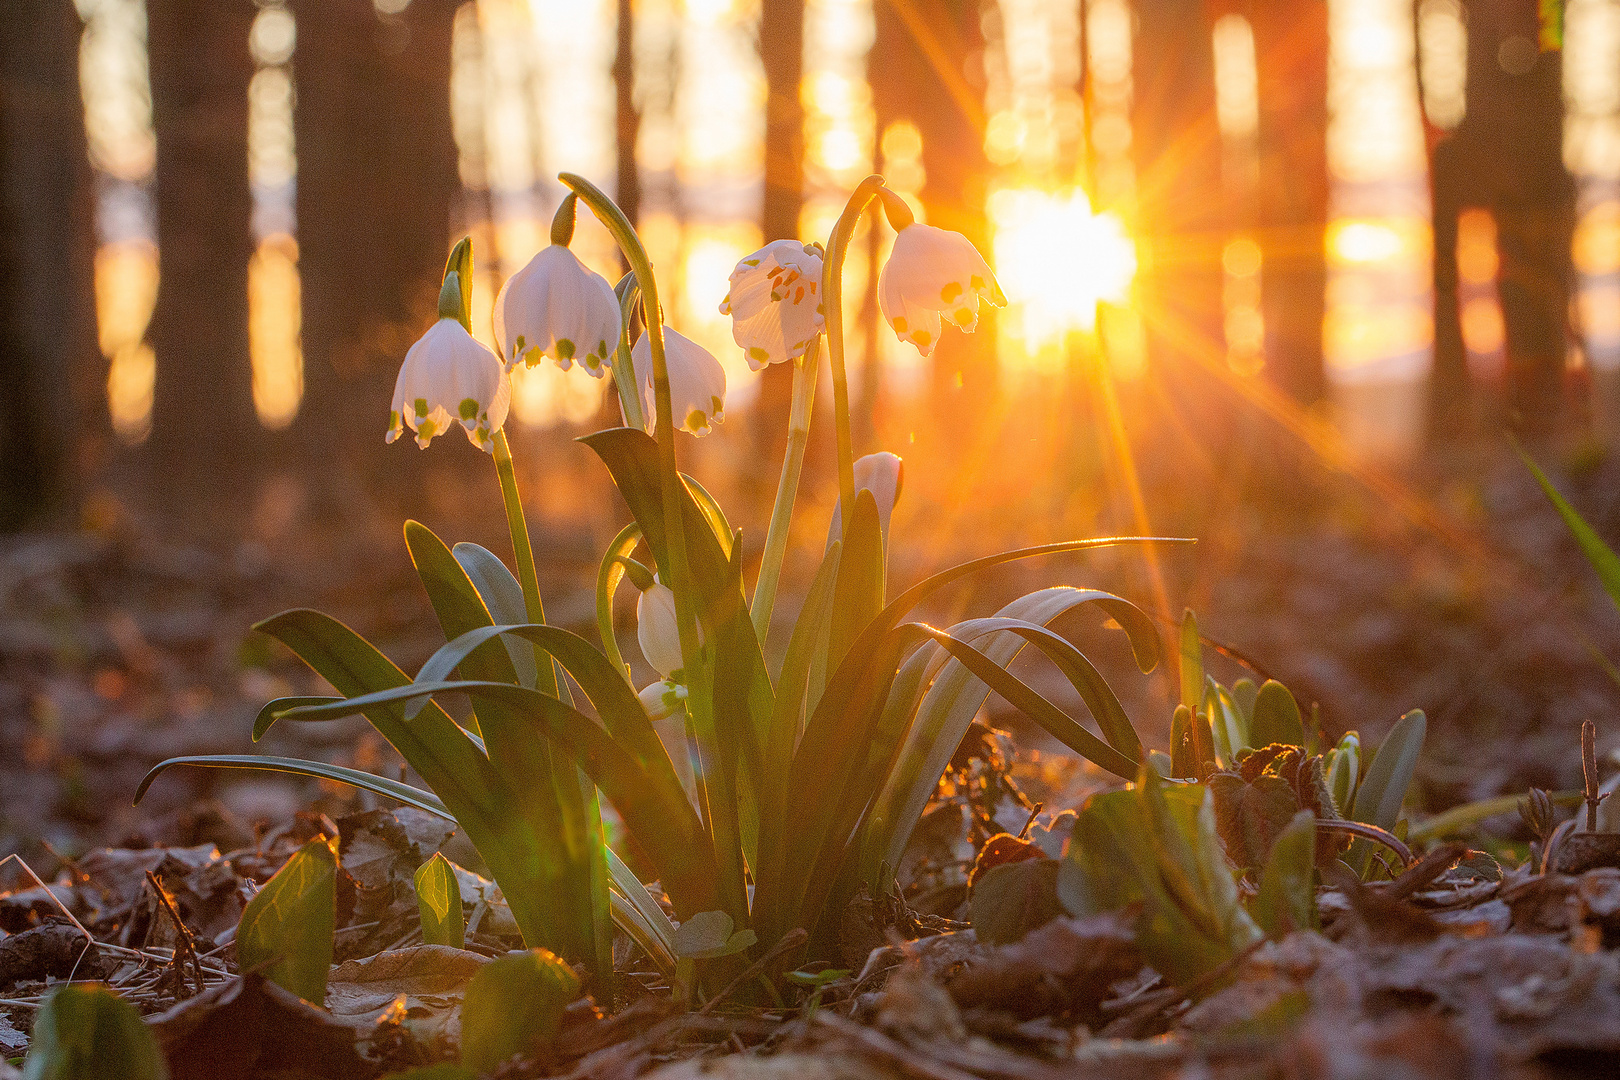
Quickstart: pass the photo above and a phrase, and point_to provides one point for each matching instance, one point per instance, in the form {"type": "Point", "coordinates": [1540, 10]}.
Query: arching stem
{"type": "Point", "coordinates": [776, 537]}
{"type": "Point", "coordinates": [832, 293]}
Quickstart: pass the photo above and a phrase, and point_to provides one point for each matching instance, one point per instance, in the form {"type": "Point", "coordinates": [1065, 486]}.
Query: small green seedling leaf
{"type": "Point", "coordinates": [1379, 797]}
{"type": "Point", "coordinates": [1343, 770]}
{"type": "Point", "coordinates": [1275, 716]}
{"type": "Point", "coordinates": [1014, 898]}
{"type": "Point", "coordinates": [1287, 899]}
{"type": "Point", "coordinates": [84, 1031]}
{"type": "Point", "coordinates": [1599, 554]}
{"type": "Point", "coordinates": [286, 930]}
{"type": "Point", "coordinates": [814, 979]}
{"type": "Point", "coordinates": [709, 934]}
{"type": "Point", "coordinates": [1192, 663]}
{"type": "Point", "coordinates": [438, 898]}
{"type": "Point", "coordinates": [514, 1005]}
{"type": "Point", "coordinates": [1245, 693]}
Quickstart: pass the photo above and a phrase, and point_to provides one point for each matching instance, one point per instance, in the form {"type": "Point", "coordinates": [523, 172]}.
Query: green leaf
{"type": "Point", "coordinates": [286, 929]}
{"type": "Point", "coordinates": [657, 814]}
{"type": "Point", "coordinates": [1192, 663]}
{"type": "Point", "coordinates": [438, 899]}
{"type": "Point", "coordinates": [709, 935]}
{"type": "Point", "coordinates": [503, 596]}
{"type": "Point", "coordinates": [1379, 797]}
{"type": "Point", "coordinates": [632, 458]}
{"type": "Point", "coordinates": [640, 916]}
{"type": "Point", "coordinates": [513, 1006]}
{"type": "Point", "coordinates": [1245, 693]}
{"type": "Point", "coordinates": [267, 715]}
{"type": "Point", "coordinates": [1343, 771]}
{"type": "Point", "coordinates": [1599, 554]}
{"type": "Point", "coordinates": [616, 703]}
{"type": "Point", "coordinates": [712, 513]}
{"type": "Point", "coordinates": [1287, 898]}
{"type": "Point", "coordinates": [1231, 733]}
{"type": "Point", "coordinates": [1012, 899]}
{"type": "Point", "coordinates": [84, 1031]}
{"type": "Point", "coordinates": [858, 596]}
{"type": "Point", "coordinates": [1276, 717]}
{"type": "Point", "coordinates": [1025, 699]}
{"type": "Point", "coordinates": [459, 608]}
{"type": "Point", "coordinates": [319, 770]}
{"type": "Point", "coordinates": [935, 698]}
{"type": "Point", "coordinates": [1183, 748]}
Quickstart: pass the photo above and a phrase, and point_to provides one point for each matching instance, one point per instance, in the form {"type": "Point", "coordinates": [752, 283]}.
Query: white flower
{"type": "Point", "coordinates": [881, 474]}
{"type": "Point", "coordinates": [933, 272]}
{"type": "Point", "coordinates": [448, 376]}
{"type": "Point", "coordinates": [556, 306]}
{"type": "Point", "coordinates": [775, 302]}
{"type": "Point", "coordinates": [663, 699]}
{"type": "Point", "coordinates": [657, 631]}
{"type": "Point", "coordinates": [697, 382]}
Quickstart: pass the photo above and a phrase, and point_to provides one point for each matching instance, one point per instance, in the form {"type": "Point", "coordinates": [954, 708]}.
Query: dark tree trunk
{"type": "Point", "coordinates": [1510, 145]}
{"type": "Point", "coordinates": [928, 67]}
{"type": "Point", "coordinates": [1177, 146]}
{"type": "Point", "coordinates": [205, 435]}
{"type": "Point", "coordinates": [376, 181]}
{"type": "Point", "coordinates": [1450, 393]}
{"type": "Point", "coordinates": [628, 195]}
{"type": "Point", "coordinates": [1291, 52]}
{"type": "Point", "coordinates": [48, 362]}
{"type": "Point", "coordinates": [781, 48]}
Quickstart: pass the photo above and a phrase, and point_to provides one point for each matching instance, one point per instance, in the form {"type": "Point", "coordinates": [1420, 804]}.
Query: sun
{"type": "Point", "coordinates": [1057, 260]}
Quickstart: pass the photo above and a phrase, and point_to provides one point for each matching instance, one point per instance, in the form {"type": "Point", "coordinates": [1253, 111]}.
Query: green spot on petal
{"type": "Point", "coordinates": [951, 291]}
{"type": "Point", "coordinates": [469, 408]}
{"type": "Point", "coordinates": [565, 349]}
{"type": "Point", "coordinates": [922, 337]}
{"type": "Point", "coordinates": [695, 420]}
{"type": "Point", "coordinates": [421, 407]}
{"type": "Point", "coordinates": [757, 353]}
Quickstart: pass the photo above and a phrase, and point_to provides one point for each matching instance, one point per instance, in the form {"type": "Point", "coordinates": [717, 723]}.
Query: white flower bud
{"type": "Point", "coordinates": [657, 630]}
{"type": "Point", "coordinates": [697, 382]}
{"type": "Point", "coordinates": [933, 272]}
{"type": "Point", "coordinates": [556, 306]}
{"type": "Point", "coordinates": [775, 302]}
{"type": "Point", "coordinates": [448, 376]}
{"type": "Point", "coordinates": [881, 474]}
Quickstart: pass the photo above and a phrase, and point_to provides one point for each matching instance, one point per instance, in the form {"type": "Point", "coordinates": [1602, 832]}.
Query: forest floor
{"type": "Point", "coordinates": [1453, 588]}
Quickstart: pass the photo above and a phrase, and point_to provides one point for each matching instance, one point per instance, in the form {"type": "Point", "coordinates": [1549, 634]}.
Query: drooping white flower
{"type": "Point", "coordinates": [697, 382]}
{"type": "Point", "coordinates": [556, 306]}
{"type": "Point", "coordinates": [933, 272]}
{"type": "Point", "coordinates": [775, 302]}
{"type": "Point", "coordinates": [657, 631]}
{"type": "Point", "coordinates": [448, 376]}
{"type": "Point", "coordinates": [662, 699]}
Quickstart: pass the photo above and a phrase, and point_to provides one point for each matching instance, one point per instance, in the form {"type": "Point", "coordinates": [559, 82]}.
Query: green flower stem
{"type": "Point", "coordinates": [776, 538]}
{"type": "Point", "coordinates": [719, 803]}
{"type": "Point", "coordinates": [624, 369]}
{"type": "Point", "coordinates": [832, 295]}
{"type": "Point", "coordinates": [523, 553]}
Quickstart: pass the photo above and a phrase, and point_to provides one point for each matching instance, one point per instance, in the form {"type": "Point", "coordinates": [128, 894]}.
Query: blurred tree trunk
{"type": "Point", "coordinates": [48, 360]}
{"type": "Point", "coordinates": [1177, 146]}
{"type": "Point", "coordinates": [376, 180]}
{"type": "Point", "coordinates": [1450, 391]}
{"type": "Point", "coordinates": [1291, 54]}
{"type": "Point", "coordinates": [206, 437]}
{"type": "Point", "coordinates": [1509, 153]}
{"type": "Point", "coordinates": [628, 193]}
{"type": "Point", "coordinates": [927, 67]}
{"type": "Point", "coordinates": [781, 48]}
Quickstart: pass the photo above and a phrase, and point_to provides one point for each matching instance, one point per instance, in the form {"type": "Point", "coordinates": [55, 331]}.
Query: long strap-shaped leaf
{"type": "Point", "coordinates": [618, 706]}
{"type": "Point", "coordinates": [656, 813]}
{"type": "Point", "coordinates": [850, 807]}
{"type": "Point", "coordinates": [503, 596]}
{"type": "Point", "coordinates": [320, 770]}
{"type": "Point", "coordinates": [926, 732]}
{"type": "Point", "coordinates": [432, 743]}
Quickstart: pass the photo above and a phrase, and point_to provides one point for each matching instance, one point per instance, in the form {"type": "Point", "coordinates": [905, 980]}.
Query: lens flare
{"type": "Point", "coordinates": [1057, 260]}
